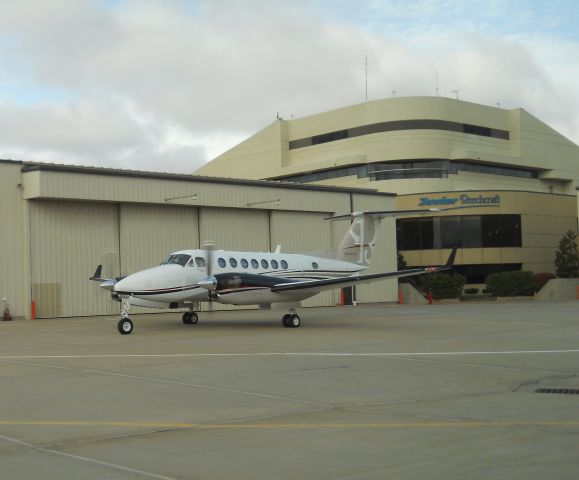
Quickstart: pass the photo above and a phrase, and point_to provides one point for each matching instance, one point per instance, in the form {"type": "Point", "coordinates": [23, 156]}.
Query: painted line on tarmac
{"type": "Point", "coordinates": [297, 426]}
{"type": "Point", "coordinates": [287, 354]}
{"type": "Point", "coordinates": [170, 382]}
{"type": "Point", "coordinates": [85, 459]}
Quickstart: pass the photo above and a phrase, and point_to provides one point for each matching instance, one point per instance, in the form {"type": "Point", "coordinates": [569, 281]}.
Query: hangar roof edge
{"type": "Point", "coordinates": [38, 166]}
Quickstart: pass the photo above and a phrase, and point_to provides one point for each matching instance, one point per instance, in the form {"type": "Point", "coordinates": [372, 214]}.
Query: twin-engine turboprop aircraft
{"type": "Point", "coordinates": [187, 277]}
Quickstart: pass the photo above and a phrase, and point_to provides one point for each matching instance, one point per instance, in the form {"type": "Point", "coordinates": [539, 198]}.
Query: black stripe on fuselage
{"type": "Point", "coordinates": [159, 291]}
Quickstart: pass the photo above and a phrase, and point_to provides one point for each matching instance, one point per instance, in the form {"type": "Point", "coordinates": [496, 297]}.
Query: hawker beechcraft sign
{"type": "Point", "coordinates": [462, 200]}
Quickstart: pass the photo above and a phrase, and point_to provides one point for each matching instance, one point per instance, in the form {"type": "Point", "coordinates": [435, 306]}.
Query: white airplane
{"type": "Point", "coordinates": [187, 277]}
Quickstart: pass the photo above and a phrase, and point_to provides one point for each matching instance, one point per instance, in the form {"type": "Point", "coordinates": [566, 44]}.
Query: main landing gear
{"type": "Point", "coordinates": [190, 318]}
{"type": "Point", "coordinates": [291, 320]}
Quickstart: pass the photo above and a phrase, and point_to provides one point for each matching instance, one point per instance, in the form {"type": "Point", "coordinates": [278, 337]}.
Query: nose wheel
{"type": "Point", "coordinates": [125, 326]}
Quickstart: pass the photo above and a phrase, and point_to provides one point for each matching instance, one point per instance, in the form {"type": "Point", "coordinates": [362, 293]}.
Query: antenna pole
{"type": "Point", "coordinates": [366, 75]}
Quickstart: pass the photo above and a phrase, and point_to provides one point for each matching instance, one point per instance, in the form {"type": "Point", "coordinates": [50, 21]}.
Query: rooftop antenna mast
{"type": "Point", "coordinates": [366, 74]}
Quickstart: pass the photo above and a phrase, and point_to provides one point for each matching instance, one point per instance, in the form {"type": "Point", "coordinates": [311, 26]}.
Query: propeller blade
{"type": "Point", "coordinates": [209, 283]}
{"type": "Point", "coordinates": [209, 247]}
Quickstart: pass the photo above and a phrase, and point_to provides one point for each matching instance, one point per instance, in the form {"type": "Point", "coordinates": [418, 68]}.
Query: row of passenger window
{"type": "Point", "coordinates": [183, 259]}
{"type": "Point", "coordinates": [254, 263]}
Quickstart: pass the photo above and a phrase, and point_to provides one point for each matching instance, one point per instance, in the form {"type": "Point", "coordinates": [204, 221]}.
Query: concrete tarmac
{"type": "Point", "coordinates": [368, 392]}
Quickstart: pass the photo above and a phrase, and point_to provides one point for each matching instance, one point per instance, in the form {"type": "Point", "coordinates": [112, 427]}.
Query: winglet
{"type": "Point", "coordinates": [97, 274]}
{"type": "Point", "coordinates": [451, 257]}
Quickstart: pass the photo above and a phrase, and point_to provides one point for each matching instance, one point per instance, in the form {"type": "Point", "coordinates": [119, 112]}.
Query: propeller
{"type": "Point", "coordinates": [209, 283]}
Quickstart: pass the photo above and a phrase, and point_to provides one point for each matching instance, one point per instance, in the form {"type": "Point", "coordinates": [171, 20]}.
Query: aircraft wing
{"type": "Point", "coordinates": [329, 284]}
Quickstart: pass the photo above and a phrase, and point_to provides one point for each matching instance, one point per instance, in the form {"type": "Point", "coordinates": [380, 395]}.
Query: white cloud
{"type": "Point", "coordinates": [167, 85]}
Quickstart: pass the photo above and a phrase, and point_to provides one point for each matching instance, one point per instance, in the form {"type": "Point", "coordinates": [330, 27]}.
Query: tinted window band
{"type": "Point", "coordinates": [398, 125]}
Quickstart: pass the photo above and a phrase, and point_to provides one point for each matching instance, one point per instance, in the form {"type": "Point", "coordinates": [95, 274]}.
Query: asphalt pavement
{"type": "Point", "coordinates": [451, 391]}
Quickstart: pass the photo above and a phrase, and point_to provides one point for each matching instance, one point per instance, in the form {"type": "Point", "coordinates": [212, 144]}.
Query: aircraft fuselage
{"type": "Point", "coordinates": [179, 282]}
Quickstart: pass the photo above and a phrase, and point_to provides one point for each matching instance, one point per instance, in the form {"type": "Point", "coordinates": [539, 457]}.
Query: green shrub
{"type": "Point", "coordinates": [541, 279]}
{"type": "Point", "coordinates": [443, 285]}
{"type": "Point", "coordinates": [566, 259]}
{"type": "Point", "coordinates": [511, 284]}
{"type": "Point", "coordinates": [401, 262]}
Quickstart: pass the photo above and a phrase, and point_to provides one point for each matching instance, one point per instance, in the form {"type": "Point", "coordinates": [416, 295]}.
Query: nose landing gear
{"type": "Point", "coordinates": [125, 326]}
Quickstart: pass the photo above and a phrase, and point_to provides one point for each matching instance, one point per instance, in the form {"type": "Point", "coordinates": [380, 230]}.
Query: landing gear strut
{"type": "Point", "coordinates": [190, 318]}
{"type": "Point", "coordinates": [125, 326]}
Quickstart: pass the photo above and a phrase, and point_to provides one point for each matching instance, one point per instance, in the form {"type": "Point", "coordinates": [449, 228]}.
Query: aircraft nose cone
{"type": "Point", "coordinates": [127, 285]}
{"type": "Point", "coordinates": [120, 286]}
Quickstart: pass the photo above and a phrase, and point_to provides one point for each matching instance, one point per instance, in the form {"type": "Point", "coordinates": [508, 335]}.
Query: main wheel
{"type": "Point", "coordinates": [125, 326]}
{"type": "Point", "coordinates": [285, 321]}
{"type": "Point", "coordinates": [294, 321]}
{"type": "Point", "coordinates": [291, 321]}
{"type": "Point", "coordinates": [190, 318]}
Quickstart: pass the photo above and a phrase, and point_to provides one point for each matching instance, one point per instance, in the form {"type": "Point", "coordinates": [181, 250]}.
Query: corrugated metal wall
{"type": "Point", "coordinates": [300, 232]}
{"type": "Point", "coordinates": [70, 237]}
{"type": "Point", "coordinates": [235, 229]}
{"type": "Point", "coordinates": [68, 240]}
{"type": "Point", "coordinates": [128, 189]}
{"type": "Point", "coordinates": [149, 232]}
{"type": "Point", "coordinates": [13, 245]}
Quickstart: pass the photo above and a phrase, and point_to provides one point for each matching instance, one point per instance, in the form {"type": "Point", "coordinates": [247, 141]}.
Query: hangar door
{"type": "Point", "coordinates": [68, 240]}
{"type": "Point", "coordinates": [148, 233]}
{"type": "Point", "coordinates": [299, 232]}
{"type": "Point", "coordinates": [234, 229]}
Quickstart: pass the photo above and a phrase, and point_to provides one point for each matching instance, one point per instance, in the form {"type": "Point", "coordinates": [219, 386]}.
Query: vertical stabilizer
{"type": "Point", "coordinates": [358, 244]}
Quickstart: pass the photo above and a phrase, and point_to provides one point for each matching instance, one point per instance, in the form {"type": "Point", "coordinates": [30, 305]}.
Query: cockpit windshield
{"type": "Point", "coordinates": [176, 259]}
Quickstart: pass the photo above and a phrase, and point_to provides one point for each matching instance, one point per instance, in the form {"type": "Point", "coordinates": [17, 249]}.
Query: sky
{"type": "Point", "coordinates": [167, 85]}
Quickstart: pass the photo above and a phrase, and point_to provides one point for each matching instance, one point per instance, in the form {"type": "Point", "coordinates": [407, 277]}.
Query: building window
{"type": "Point", "coordinates": [398, 125]}
{"type": "Point", "coordinates": [471, 231]}
{"type": "Point", "coordinates": [423, 168]}
{"type": "Point", "coordinates": [450, 232]}
{"type": "Point", "coordinates": [511, 230]}
{"type": "Point", "coordinates": [467, 231]}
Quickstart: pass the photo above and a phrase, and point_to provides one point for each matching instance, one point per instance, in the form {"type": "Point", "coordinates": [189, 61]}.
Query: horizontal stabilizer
{"type": "Point", "coordinates": [384, 213]}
